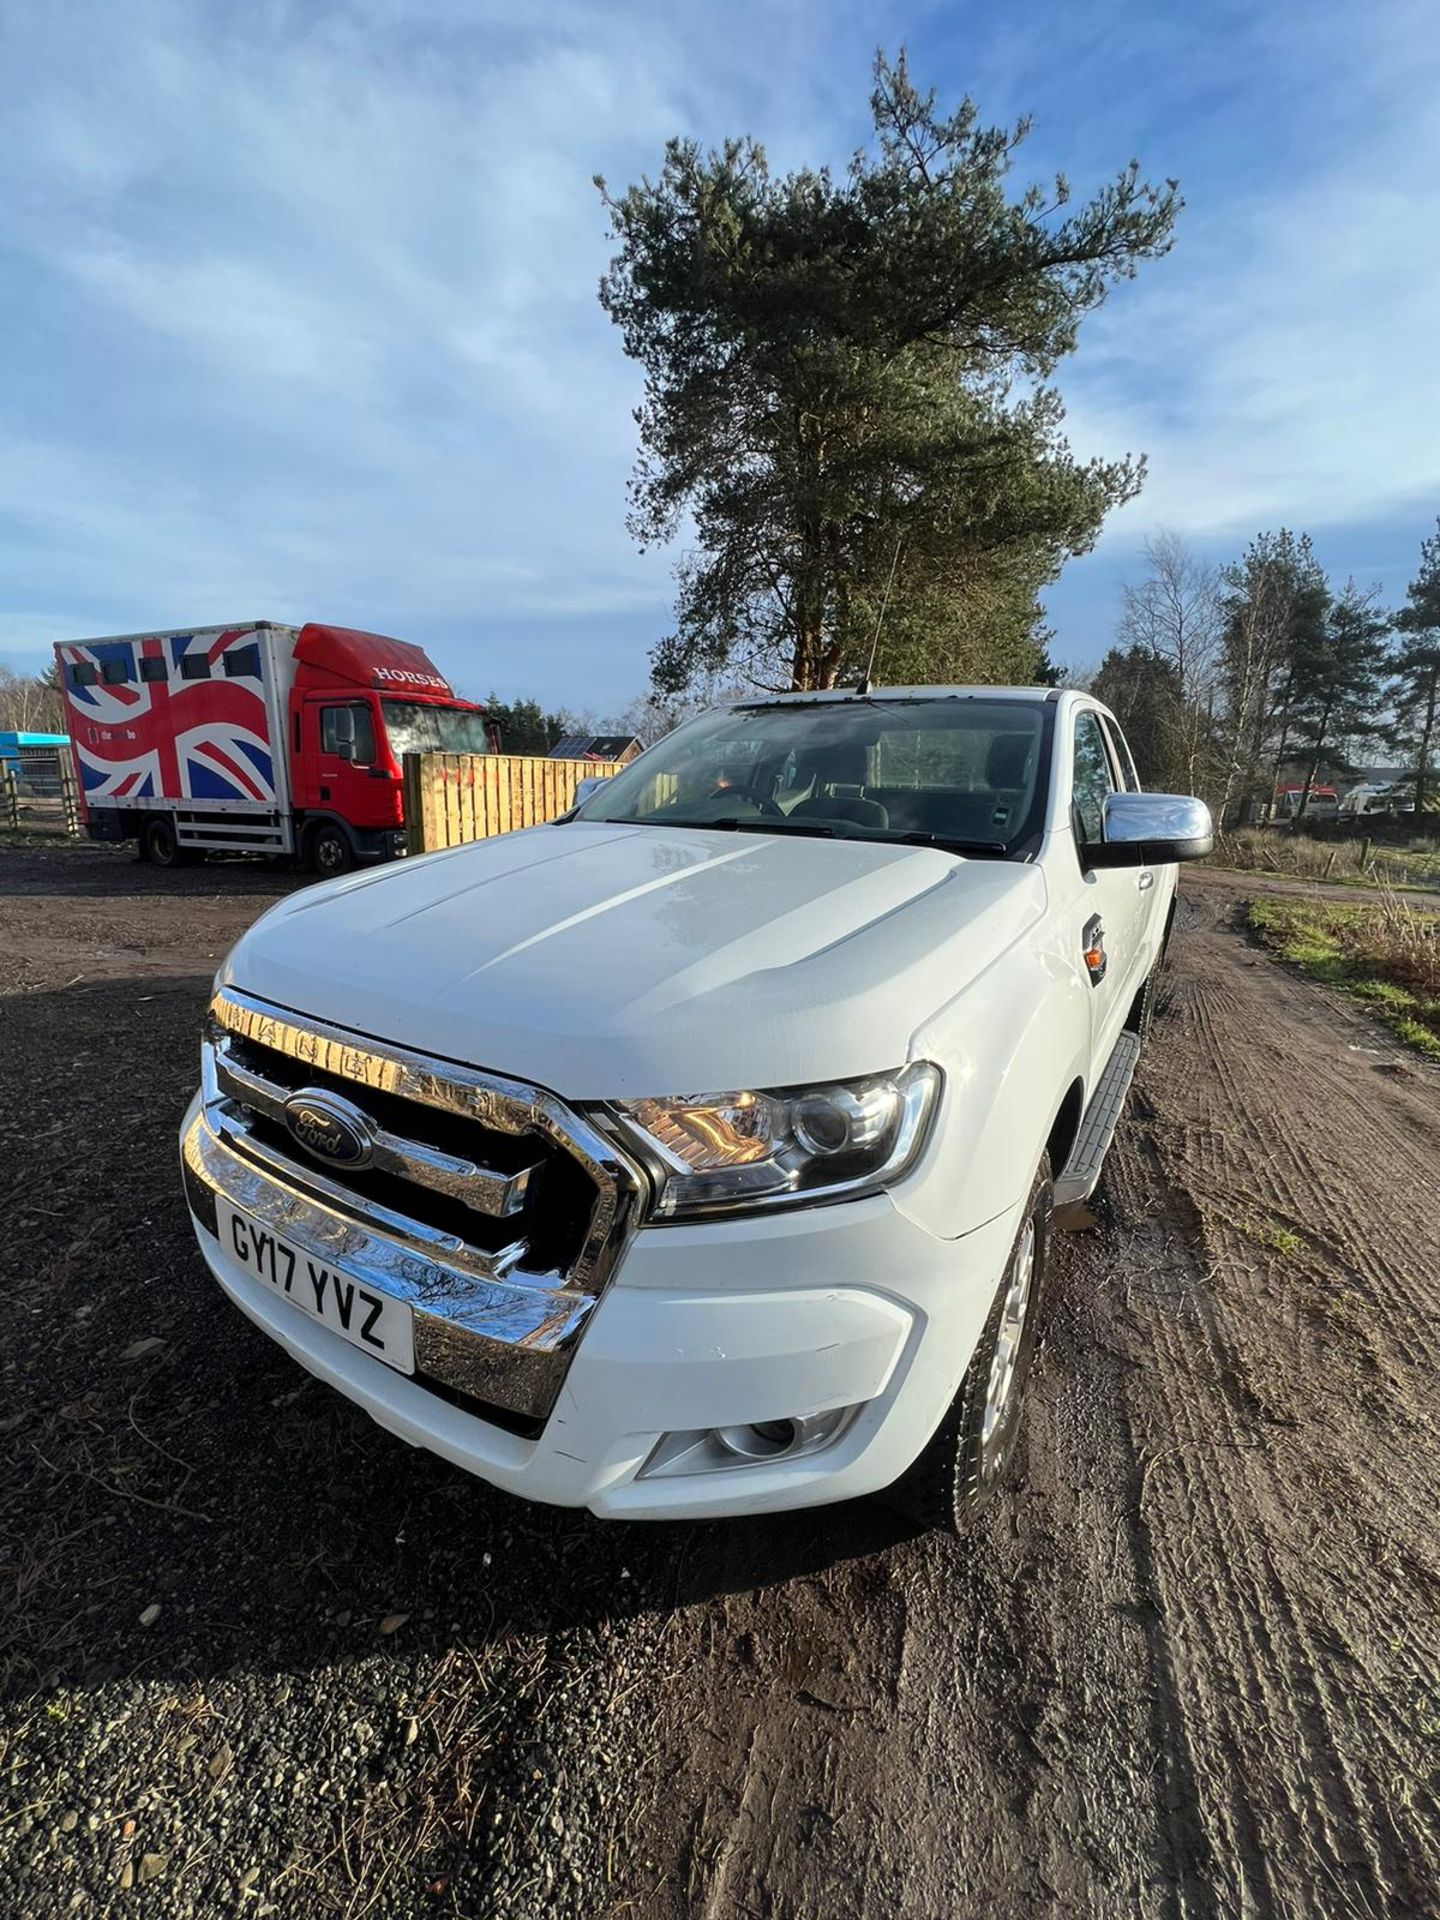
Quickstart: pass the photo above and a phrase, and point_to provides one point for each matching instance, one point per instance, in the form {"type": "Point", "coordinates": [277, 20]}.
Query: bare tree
{"type": "Point", "coordinates": [1174, 613]}
{"type": "Point", "coordinates": [650, 716]}
{"type": "Point", "coordinates": [29, 703]}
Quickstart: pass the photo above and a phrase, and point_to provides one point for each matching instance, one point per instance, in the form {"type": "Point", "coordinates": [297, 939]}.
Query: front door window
{"type": "Point", "coordinates": [1091, 780]}
{"type": "Point", "coordinates": [348, 726]}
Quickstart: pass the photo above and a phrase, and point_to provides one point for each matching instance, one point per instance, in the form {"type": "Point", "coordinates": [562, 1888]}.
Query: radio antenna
{"type": "Point", "coordinates": [862, 685]}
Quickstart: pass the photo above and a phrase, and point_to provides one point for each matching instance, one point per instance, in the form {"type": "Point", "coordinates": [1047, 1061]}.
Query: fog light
{"type": "Point", "coordinates": [766, 1440]}
{"type": "Point", "coordinates": [747, 1446]}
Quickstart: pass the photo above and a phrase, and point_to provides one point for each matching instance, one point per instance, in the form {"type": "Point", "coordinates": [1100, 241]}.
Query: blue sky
{"type": "Point", "coordinates": [299, 315]}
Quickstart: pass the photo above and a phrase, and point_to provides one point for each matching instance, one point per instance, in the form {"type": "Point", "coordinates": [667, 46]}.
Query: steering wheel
{"type": "Point", "coordinates": [767, 808]}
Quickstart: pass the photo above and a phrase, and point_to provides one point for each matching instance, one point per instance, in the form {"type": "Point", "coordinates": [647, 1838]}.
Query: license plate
{"type": "Point", "coordinates": [374, 1322]}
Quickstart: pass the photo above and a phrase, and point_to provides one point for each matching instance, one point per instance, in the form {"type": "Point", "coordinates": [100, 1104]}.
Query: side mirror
{"type": "Point", "coordinates": [1152, 829]}
{"type": "Point", "coordinates": [584, 788]}
{"type": "Point", "coordinates": [345, 750]}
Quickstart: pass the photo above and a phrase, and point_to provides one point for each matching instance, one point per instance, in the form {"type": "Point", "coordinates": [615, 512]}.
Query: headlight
{"type": "Point", "coordinates": [725, 1151]}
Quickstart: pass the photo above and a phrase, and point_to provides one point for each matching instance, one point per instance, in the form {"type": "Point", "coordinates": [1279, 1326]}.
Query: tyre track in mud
{"type": "Point", "coordinates": [1321, 1254]}
{"type": "Point", "coordinates": [1190, 1667]}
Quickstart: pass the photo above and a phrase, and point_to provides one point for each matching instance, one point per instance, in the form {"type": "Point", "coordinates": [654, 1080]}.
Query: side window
{"type": "Point", "coordinates": [194, 666]}
{"type": "Point", "coordinates": [82, 674]}
{"type": "Point", "coordinates": [1121, 755]}
{"type": "Point", "coordinates": [348, 726]}
{"type": "Point", "coordinates": [153, 668]}
{"type": "Point", "coordinates": [243, 663]}
{"type": "Point", "coordinates": [1091, 776]}
{"type": "Point", "coordinates": [115, 673]}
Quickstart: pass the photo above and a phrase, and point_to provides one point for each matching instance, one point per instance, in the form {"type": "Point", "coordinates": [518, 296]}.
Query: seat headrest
{"type": "Point", "coordinates": [841, 765]}
{"type": "Point", "coordinates": [1007, 764]}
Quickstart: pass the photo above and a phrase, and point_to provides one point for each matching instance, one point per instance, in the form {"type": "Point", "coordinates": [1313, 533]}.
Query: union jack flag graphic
{"type": "Point", "coordinates": [144, 730]}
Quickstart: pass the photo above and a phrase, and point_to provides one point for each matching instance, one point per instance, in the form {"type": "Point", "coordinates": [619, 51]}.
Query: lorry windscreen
{"type": "Point", "coordinates": [414, 727]}
{"type": "Point", "coordinates": [960, 772]}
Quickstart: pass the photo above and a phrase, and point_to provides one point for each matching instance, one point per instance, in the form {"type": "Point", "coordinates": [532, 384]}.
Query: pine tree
{"type": "Point", "coordinates": [1336, 680]}
{"type": "Point", "coordinates": [1417, 666]}
{"type": "Point", "coordinates": [845, 394]}
{"type": "Point", "coordinates": [1273, 607]}
{"type": "Point", "coordinates": [1145, 693]}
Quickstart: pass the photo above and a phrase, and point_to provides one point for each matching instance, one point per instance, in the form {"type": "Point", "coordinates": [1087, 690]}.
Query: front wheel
{"type": "Point", "coordinates": [967, 1460]}
{"type": "Point", "coordinates": [329, 851]}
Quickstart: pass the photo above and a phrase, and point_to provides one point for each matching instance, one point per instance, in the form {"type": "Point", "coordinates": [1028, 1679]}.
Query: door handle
{"type": "Point", "coordinates": [1146, 880]}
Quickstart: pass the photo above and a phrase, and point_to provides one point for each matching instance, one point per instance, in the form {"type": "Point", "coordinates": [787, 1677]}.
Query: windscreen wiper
{"type": "Point", "coordinates": [731, 825]}
{"type": "Point", "coordinates": [971, 849]}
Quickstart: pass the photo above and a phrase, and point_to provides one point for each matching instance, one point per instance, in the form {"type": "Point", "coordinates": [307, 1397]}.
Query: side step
{"type": "Point", "coordinates": [1097, 1129]}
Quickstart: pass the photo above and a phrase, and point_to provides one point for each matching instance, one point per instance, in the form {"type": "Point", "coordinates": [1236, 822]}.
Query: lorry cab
{"type": "Point", "coordinates": [358, 705]}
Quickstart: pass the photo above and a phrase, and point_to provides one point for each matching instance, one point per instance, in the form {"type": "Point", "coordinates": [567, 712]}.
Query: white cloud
{"type": "Point", "coordinates": [1280, 365]}
{"type": "Point", "coordinates": [301, 313]}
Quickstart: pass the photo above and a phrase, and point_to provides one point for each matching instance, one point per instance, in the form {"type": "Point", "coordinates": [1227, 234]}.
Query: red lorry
{"type": "Point", "coordinates": [256, 738]}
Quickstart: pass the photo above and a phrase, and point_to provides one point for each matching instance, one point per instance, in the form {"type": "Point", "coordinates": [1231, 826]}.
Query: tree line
{"type": "Point", "coordinates": [1226, 679]}
{"type": "Point", "coordinates": [31, 702]}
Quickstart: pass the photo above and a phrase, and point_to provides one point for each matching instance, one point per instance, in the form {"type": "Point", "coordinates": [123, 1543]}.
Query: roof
{"type": "Point", "coordinates": [595, 746]}
{"type": "Point", "coordinates": [340, 655]}
{"type": "Point", "coordinates": [11, 742]}
{"type": "Point", "coordinates": [899, 693]}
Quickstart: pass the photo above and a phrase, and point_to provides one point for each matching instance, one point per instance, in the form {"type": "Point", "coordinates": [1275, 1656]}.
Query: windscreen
{"type": "Point", "coordinates": [416, 728]}
{"type": "Point", "coordinates": [961, 771]}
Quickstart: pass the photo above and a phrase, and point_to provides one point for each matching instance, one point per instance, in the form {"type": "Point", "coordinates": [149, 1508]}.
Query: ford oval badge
{"type": "Point", "coordinates": [329, 1127]}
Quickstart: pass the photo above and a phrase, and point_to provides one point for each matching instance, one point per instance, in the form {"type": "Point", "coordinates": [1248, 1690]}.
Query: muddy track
{"type": "Point", "coordinates": [1192, 1667]}
{"type": "Point", "coordinates": [1189, 1668]}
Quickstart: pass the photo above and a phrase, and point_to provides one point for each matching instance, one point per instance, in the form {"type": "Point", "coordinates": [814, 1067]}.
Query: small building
{"type": "Point", "coordinates": [36, 759]}
{"type": "Point", "coordinates": [623, 747]}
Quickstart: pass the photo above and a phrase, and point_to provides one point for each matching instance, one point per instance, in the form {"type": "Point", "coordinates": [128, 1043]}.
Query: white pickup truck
{"type": "Point", "coordinates": [696, 1154]}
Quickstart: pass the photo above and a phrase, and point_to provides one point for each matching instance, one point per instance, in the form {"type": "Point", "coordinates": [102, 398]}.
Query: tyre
{"type": "Point", "coordinates": [328, 850]}
{"type": "Point", "coordinates": [160, 845]}
{"type": "Point", "coordinates": [971, 1453]}
{"type": "Point", "coordinates": [1142, 1011]}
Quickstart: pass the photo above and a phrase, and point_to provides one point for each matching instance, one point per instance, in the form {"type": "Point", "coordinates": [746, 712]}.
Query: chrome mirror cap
{"type": "Point", "coordinates": [1145, 829]}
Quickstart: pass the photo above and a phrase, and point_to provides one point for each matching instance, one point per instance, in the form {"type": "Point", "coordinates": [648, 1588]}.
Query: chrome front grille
{"type": "Point", "coordinates": [497, 1211]}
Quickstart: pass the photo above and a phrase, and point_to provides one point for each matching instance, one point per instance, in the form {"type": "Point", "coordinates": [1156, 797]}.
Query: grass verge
{"type": "Point", "coordinates": [1355, 863]}
{"type": "Point", "coordinates": [1387, 956]}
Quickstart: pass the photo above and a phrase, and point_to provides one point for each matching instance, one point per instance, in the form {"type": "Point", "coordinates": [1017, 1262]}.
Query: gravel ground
{"type": "Point", "coordinates": [254, 1651]}
{"type": "Point", "coordinates": [257, 1656]}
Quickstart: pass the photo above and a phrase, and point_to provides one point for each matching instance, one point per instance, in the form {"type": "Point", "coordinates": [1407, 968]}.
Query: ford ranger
{"type": "Point", "coordinates": [697, 1153]}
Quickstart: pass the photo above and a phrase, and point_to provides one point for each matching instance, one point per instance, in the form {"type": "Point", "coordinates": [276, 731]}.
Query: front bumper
{"type": "Point", "coordinates": [374, 844]}
{"type": "Point", "coordinates": [721, 1324]}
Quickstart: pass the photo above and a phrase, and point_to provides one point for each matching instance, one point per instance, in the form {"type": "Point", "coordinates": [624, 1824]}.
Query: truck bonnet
{"type": "Point", "coordinates": [612, 960]}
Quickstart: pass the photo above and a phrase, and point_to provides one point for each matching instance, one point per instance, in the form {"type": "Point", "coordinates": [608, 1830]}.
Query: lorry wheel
{"type": "Point", "coordinates": [328, 850]}
{"type": "Point", "coordinates": [160, 845]}
{"type": "Point", "coordinates": [967, 1460]}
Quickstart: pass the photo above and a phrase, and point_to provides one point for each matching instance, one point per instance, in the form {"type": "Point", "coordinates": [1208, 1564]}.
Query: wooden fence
{"type": "Point", "coordinates": [452, 797]}
{"type": "Point", "coordinates": [38, 795]}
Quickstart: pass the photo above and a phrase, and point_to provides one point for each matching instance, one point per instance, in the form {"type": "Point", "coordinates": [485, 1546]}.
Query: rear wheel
{"type": "Point", "coordinates": [328, 850]}
{"type": "Point", "coordinates": [160, 844]}
{"type": "Point", "coordinates": [966, 1462]}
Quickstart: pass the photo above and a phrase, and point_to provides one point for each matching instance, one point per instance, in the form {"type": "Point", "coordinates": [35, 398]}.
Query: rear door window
{"type": "Point", "coordinates": [1121, 756]}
